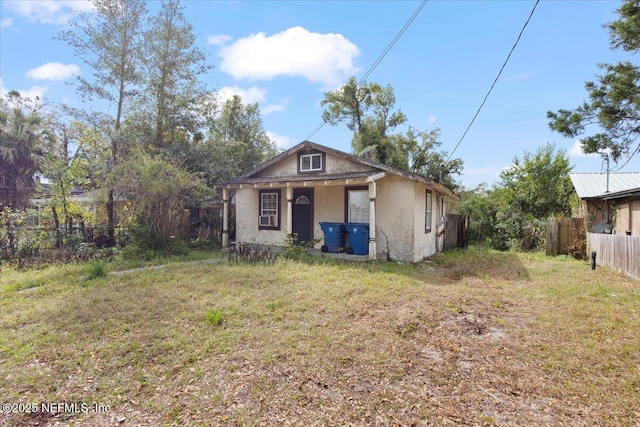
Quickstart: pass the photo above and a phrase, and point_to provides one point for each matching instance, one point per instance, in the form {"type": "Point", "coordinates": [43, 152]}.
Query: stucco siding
{"type": "Point", "coordinates": [395, 222]}
{"type": "Point", "coordinates": [285, 167]}
{"type": "Point", "coordinates": [334, 165]}
{"type": "Point", "coordinates": [328, 207]}
{"type": "Point", "coordinates": [247, 220]}
{"type": "Point", "coordinates": [424, 244]}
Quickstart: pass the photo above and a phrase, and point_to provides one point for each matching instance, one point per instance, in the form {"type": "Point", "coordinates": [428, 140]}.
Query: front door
{"type": "Point", "coordinates": [302, 215]}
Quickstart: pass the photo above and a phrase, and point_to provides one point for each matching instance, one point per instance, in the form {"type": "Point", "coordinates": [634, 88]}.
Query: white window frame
{"type": "Point", "coordinates": [428, 212]}
{"type": "Point", "coordinates": [270, 211]}
{"type": "Point", "coordinates": [310, 158]}
{"type": "Point", "coordinates": [364, 208]}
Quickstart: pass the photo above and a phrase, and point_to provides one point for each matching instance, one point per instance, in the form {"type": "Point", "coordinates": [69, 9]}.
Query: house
{"type": "Point", "coordinates": [609, 202]}
{"type": "Point", "coordinates": [308, 184]}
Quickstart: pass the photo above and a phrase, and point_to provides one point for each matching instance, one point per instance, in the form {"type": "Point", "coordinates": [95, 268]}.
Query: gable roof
{"type": "Point", "coordinates": [594, 185]}
{"type": "Point", "coordinates": [250, 177]}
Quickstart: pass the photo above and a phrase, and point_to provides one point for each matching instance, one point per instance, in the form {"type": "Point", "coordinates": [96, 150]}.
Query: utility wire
{"type": "Point", "coordinates": [628, 160]}
{"type": "Point", "coordinates": [382, 55]}
{"type": "Point", "coordinates": [496, 79]}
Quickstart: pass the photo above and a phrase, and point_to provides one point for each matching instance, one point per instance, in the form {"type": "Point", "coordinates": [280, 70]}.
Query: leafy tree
{"type": "Point", "coordinates": [368, 110]}
{"type": "Point", "coordinates": [513, 213]}
{"type": "Point", "coordinates": [420, 156]}
{"type": "Point", "coordinates": [486, 208]}
{"type": "Point", "coordinates": [173, 97]}
{"type": "Point", "coordinates": [67, 167]}
{"type": "Point", "coordinates": [160, 192]}
{"type": "Point", "coordinates": [236, 143]}
{"type": "Point", "coordinates": [25, 136]}
{"type": "Point", "coordinates": [539, 184]}
{"type": "Point", "coordinates": [110, 41]}
{"type": "Point", "coordinates": [614, 100]}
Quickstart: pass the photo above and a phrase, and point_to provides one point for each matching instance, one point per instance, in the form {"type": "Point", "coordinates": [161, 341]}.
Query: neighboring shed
{"type": "Point", "coordinates": [294, 192]}
{"type": "Point", "coordinates": [610, 202]}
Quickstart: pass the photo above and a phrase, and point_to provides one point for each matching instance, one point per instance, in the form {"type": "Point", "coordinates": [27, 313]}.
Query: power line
{"type": "Point", "coordinates": [394, 41]}
{"type": "Point", "coordinates": [496, 79]}
{"type": "Point", "coordinates": [628, 160]}
{"type": "Point", "coordinates": [382, 55]}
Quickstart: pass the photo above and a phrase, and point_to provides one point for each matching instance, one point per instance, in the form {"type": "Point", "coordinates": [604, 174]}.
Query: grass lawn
{"type": "Point", "coordinates": [473, 337]}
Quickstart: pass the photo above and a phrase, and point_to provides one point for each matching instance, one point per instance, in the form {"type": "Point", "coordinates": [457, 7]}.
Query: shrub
{"type": "Point", "coordinates": [96, 269]}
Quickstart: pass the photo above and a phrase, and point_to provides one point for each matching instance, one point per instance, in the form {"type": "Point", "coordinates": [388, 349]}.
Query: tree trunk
{"type": "Point", "coordinates": [111, 240]}
{"type": "Point", "coordinates": [56, 223]}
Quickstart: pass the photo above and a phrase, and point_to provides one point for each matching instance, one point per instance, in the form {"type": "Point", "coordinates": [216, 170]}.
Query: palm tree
{"type": "Point", "coordinates": [24, 135]}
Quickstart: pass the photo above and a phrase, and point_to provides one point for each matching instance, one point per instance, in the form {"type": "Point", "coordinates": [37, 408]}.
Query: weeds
{"type": "Point", "coordinates": [96, 269]}
{"type": "Point", "coordinates": [335, 344]}
{"type": "Point", "coordinates": [214, 317]}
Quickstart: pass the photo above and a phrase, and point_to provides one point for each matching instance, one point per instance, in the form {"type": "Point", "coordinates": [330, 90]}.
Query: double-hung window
{"type": "Point", "coordinates": [269, 215]}
{"type": "Point", "coordinates": [428, 212]}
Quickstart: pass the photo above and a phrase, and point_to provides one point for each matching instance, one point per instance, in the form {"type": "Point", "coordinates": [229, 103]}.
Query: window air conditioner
{"type": "Point", "coordinates": [268, 220]}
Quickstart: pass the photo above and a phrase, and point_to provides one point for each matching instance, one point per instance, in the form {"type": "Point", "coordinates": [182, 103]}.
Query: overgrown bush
{"type": "Point", "coordinates": [295, 251]}
{"type": "Point", "coordinates": [251, 254]}
{"type": "Point", "coordinates": [159, 192]}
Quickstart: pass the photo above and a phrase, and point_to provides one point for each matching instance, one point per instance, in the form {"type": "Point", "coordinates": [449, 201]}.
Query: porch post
{"type": "Point", "coordinates": [225, 217]}
{"type": "Point", "coordinates": [289, 211]}
{"type": "Point", "coordinates": [372, 221]}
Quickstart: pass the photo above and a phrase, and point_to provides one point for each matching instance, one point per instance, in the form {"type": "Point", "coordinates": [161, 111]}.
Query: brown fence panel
{"type": "Point", "coordinates": [456, 232]}
{"type": "Point", "coordinates": [617, 251]}
{"type": "Point", "coordinates": [564, 234]}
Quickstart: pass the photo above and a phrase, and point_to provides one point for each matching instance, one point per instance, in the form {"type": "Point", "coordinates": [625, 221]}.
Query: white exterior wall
{"type": "Point", "coordinates": [400, 216]}
{"type": "Point", "coordinates": [425, 243]}
{"type": "Point", "coordinates": [328, 207]}
{"type": "Point", "coordinates": [247, 200]}
{"type": "Point", "coordinates": [395, 218]}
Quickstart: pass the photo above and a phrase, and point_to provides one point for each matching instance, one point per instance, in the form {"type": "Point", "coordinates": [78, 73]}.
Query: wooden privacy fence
{"type": "Point", "coordinates": [617, 251]}
{"type": "Point", "coordinates": [456, 233]}
{"type": "Point", "coordinates": [565, 236]}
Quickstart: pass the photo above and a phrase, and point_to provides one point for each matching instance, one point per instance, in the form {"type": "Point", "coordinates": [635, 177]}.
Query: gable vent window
{"type": "Point", "coordinates": [311, 162]}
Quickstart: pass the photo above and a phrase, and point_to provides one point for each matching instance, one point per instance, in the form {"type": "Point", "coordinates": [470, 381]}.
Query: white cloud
{"type": "Point", "coordinates": [280, 140]}
{"type": "Point", "coordinates": [431, 119]}
{"type": "Point", "coordinates": [48, 11]}
{"type": "Point", "coordinates": [576, 150]}
{"type": "Point", "coordinates": [35, 91]}
{"type": "Point", "coordinates": [218, 39]}
{"type": "Point", "coordinates": [7, 22]}
{"type": "Point", "coordinates": [249, 96]}
{"type": "Point", "coordinates": [319, 58]}
{"type": "Point", "coordinates": [272, 108]}
{"type": "Point", "coordinates": [53, 71]}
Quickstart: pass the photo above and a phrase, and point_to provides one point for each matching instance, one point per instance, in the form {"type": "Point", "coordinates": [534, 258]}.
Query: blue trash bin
{"type": "Point", "coordinates": [358, 238]}
{"type": "Point", "coordinates": [333, 236]}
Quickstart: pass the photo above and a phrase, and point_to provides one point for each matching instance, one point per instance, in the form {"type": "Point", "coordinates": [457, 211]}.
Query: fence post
{"type": "Point", "coordinates": [553, 228]}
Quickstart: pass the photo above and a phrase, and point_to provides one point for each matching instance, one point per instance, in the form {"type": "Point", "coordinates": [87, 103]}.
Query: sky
{"type": "Point", "coordinates": [285, 55]}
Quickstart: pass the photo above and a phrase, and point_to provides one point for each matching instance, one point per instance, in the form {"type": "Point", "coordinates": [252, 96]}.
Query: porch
{"type": "Point", "coordinates": [296, 207]}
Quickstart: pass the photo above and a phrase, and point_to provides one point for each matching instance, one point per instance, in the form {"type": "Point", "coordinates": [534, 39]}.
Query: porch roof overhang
{"type": "Point", "coordinates": [352, 178]}
{"type": "Point", "coordinates": [320, 180]}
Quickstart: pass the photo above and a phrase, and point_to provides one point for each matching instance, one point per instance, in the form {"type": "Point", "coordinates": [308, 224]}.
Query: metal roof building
{"type": "Point", "coordinates": [594, 185]}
